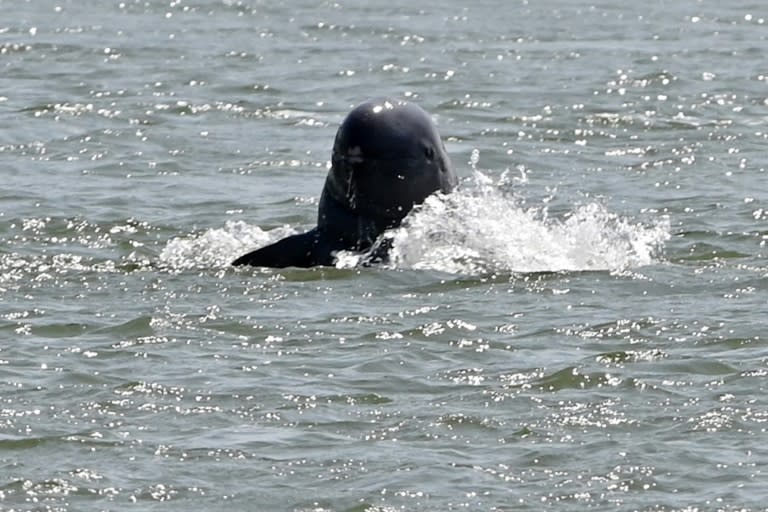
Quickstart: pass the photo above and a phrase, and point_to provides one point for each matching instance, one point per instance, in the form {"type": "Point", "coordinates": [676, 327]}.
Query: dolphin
{"type": "Point", "coordinates": [387, 158]}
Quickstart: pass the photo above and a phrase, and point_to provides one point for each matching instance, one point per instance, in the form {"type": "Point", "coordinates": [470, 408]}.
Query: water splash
{"type": "Point", "coordinates": [482, 228]}
{"type": "Point", "coordinates": [219, 246]}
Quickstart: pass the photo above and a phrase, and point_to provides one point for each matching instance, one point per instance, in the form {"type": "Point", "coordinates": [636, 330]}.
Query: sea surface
{"type": "Point", "coordinates": [580, 326]}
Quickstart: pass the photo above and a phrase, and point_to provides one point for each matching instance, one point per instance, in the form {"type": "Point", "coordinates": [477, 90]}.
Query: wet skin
{"type": "Point", "coordinates": [387, 158]}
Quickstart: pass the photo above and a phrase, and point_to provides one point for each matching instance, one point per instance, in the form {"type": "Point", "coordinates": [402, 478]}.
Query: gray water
{"type": "Point", "coordinates": [580, 326]}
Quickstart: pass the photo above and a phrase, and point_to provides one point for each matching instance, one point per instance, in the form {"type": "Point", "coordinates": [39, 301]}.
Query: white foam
{"type": "Point", "coordinates": [218, 247]}
{"type": "Point", "coordinates": [481, 228]}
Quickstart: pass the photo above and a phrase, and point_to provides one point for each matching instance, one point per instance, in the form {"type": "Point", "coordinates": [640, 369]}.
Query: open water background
{"type": "Point", "coordinates": [581, 326]}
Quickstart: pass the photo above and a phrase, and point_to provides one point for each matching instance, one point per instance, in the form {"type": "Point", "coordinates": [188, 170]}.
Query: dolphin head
{"type": "Point", "coordinates": [387, 158]}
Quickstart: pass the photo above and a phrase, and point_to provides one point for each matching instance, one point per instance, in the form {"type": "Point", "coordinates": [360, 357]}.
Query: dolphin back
{"type": "Point", "coordinates": [304, 250]}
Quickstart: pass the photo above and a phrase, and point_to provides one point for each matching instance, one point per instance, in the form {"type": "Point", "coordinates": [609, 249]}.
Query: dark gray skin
{"type": "Point", "coordinates": [387, 158]}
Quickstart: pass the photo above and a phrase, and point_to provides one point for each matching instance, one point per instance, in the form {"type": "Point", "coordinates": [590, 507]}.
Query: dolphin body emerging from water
{"type": "Point", "coordinates": [387, 158]}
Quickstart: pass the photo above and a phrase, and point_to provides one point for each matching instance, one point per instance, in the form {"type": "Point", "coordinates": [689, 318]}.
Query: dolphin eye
{"type": "Point", "coordinates": [429, 152]}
